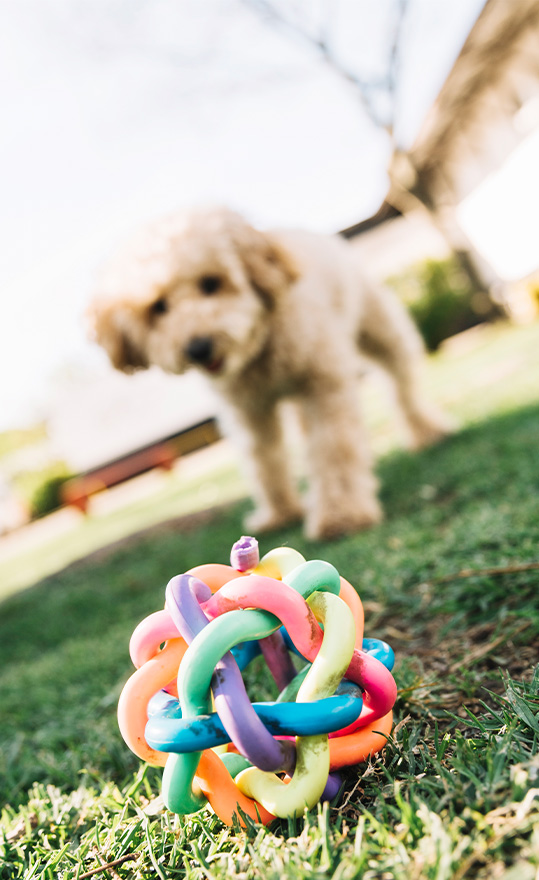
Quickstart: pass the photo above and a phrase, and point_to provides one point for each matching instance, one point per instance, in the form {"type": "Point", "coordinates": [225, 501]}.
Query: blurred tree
{"type": "Point", "coordinates": [490, 80]}
{"type": "Point", "coordinates": [362, 43]}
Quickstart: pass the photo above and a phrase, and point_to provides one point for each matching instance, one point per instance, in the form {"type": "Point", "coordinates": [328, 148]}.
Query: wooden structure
{"type": "Point", "coordinates": [78, 490]}
{"type": "Point", "coordinates": [470, 129]}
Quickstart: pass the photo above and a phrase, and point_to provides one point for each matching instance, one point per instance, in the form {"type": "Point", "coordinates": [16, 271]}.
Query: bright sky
{"type": "Point", "coordinates": [501, 214]}
{"type": "Point", "coordinates": [114, 114]}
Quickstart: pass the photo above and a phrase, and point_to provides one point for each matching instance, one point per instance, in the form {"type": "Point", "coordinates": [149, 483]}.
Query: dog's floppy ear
{"type": "Point", "coordinates": [269, 266]}
{"type": "Point", "coordinates": [109, 328]}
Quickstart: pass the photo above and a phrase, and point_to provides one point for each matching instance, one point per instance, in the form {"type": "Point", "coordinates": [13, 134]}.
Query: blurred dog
{"type": "Point", "coordinates": [268, 316]}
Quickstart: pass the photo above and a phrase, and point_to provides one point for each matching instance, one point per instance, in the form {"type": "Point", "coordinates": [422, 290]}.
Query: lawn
{"type": "Point", "coordinates": [450, 579]}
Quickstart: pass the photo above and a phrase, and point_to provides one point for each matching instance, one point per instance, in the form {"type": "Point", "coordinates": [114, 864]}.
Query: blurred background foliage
{"type": "Point", "coordinates": [40, 490]}
{"type": "Point", "coordinates": [442, 299]}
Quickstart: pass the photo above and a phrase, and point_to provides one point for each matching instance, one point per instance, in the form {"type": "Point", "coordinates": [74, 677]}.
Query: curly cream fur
{"type": "Point", "coordinates": [289, 318]}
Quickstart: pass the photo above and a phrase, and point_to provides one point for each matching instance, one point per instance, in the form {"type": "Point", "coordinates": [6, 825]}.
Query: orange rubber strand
{"type": "Point", "coordinates": [356, 747]}
{"type": "Point", "coordinates": [224, 795]}
{"type": "Point", "coordinates": [133, 702]}
{"type": "Point", "coordinates": [215, 574]}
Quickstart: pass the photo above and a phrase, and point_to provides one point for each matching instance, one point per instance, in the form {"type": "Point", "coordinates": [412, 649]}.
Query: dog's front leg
{"type": "Point", "coordinates": [342, 484]}
{"type": "Point", "coordinates": [266, 462]}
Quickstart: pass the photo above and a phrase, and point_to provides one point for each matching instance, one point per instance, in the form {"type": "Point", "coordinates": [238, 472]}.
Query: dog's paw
{"type": "Point", "coordinates": [432, 429]}
{"type": "Point", "coordinates": [329, 526]}
{"type": "Point", "coordinates": [265, 520]}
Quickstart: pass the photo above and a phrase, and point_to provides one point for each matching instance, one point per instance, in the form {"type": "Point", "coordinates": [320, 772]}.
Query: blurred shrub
{"type": "Point", "coordinates": [441, 299]}
{"type": "Point", "coordinates": [41, 489]}
{"type": "Point", "coordinates": [533, 290]}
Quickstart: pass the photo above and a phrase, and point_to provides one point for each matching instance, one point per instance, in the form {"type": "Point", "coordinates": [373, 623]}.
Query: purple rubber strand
{"type": "Point", "coordinates": [257, 745]}
{"type": "Point", "coordinates": [332, 787]}
{"type": "Point", "coordinates": [278, 659]}
{"type": "Point", "coordinates": [247, 732]}
{"type": "Point", "coordinates": [244, 555]}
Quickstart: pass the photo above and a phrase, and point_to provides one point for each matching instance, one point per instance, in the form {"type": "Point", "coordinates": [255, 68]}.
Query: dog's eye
{"type": "Point", "coordinates": [159, 307]}
{"type": "Point", "coordinates": [210, 284]}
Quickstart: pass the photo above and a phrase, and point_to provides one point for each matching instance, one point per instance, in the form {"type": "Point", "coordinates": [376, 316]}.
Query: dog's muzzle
{"type": "Point", "coordinates": [201, 351]}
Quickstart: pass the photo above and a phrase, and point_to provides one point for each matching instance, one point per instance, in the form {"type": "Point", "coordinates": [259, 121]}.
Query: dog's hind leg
{"type": "Point", "coordinates": [389, 336]}
{"type": "Point", "coordinates": [260, 436]}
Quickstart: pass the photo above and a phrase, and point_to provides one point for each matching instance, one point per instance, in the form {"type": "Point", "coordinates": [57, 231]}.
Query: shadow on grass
{"type": "Point", "coordinates": [496, 460]}
{"type": "Point", "coordinates": [472, 502]}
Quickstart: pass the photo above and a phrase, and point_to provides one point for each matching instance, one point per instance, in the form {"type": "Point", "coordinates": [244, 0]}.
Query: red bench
{"type": "Point", "coordinates": [77, 490]}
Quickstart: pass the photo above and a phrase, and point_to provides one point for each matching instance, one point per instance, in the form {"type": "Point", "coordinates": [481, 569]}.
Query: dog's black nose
{"type": "Point", "coordinates": [200, 350]}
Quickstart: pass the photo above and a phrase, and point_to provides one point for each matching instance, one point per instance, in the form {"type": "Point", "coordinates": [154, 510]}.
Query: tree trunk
{"type": "Point", "coordinates": [412, 188]}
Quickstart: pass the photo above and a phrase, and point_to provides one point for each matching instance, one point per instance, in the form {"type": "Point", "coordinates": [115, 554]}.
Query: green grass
{"type": "Point", "coordinates": [454, 795]}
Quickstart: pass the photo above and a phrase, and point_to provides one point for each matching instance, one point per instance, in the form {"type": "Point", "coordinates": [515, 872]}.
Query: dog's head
{"type": "Point", "coordinates": [197, 292]}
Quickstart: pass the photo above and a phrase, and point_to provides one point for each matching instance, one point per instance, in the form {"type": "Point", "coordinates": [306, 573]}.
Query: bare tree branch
{"type": "Point", "coordinates": [368, 90]}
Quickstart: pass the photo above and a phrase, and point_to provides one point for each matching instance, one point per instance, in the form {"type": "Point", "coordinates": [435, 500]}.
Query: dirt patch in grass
{"type": "Point", "coordinates": [462, 670]}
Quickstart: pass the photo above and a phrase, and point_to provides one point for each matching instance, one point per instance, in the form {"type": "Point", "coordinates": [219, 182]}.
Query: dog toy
{"type": "Point", "coordinates": [186, 707]}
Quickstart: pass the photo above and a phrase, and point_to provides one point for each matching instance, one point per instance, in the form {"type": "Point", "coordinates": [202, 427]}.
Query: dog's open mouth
{"type": "Point", "coordinates": [215, 366]}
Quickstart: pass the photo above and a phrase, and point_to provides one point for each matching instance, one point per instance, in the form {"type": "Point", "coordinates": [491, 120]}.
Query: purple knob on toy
{"type": "Point", "coordinates": [244, 555]}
